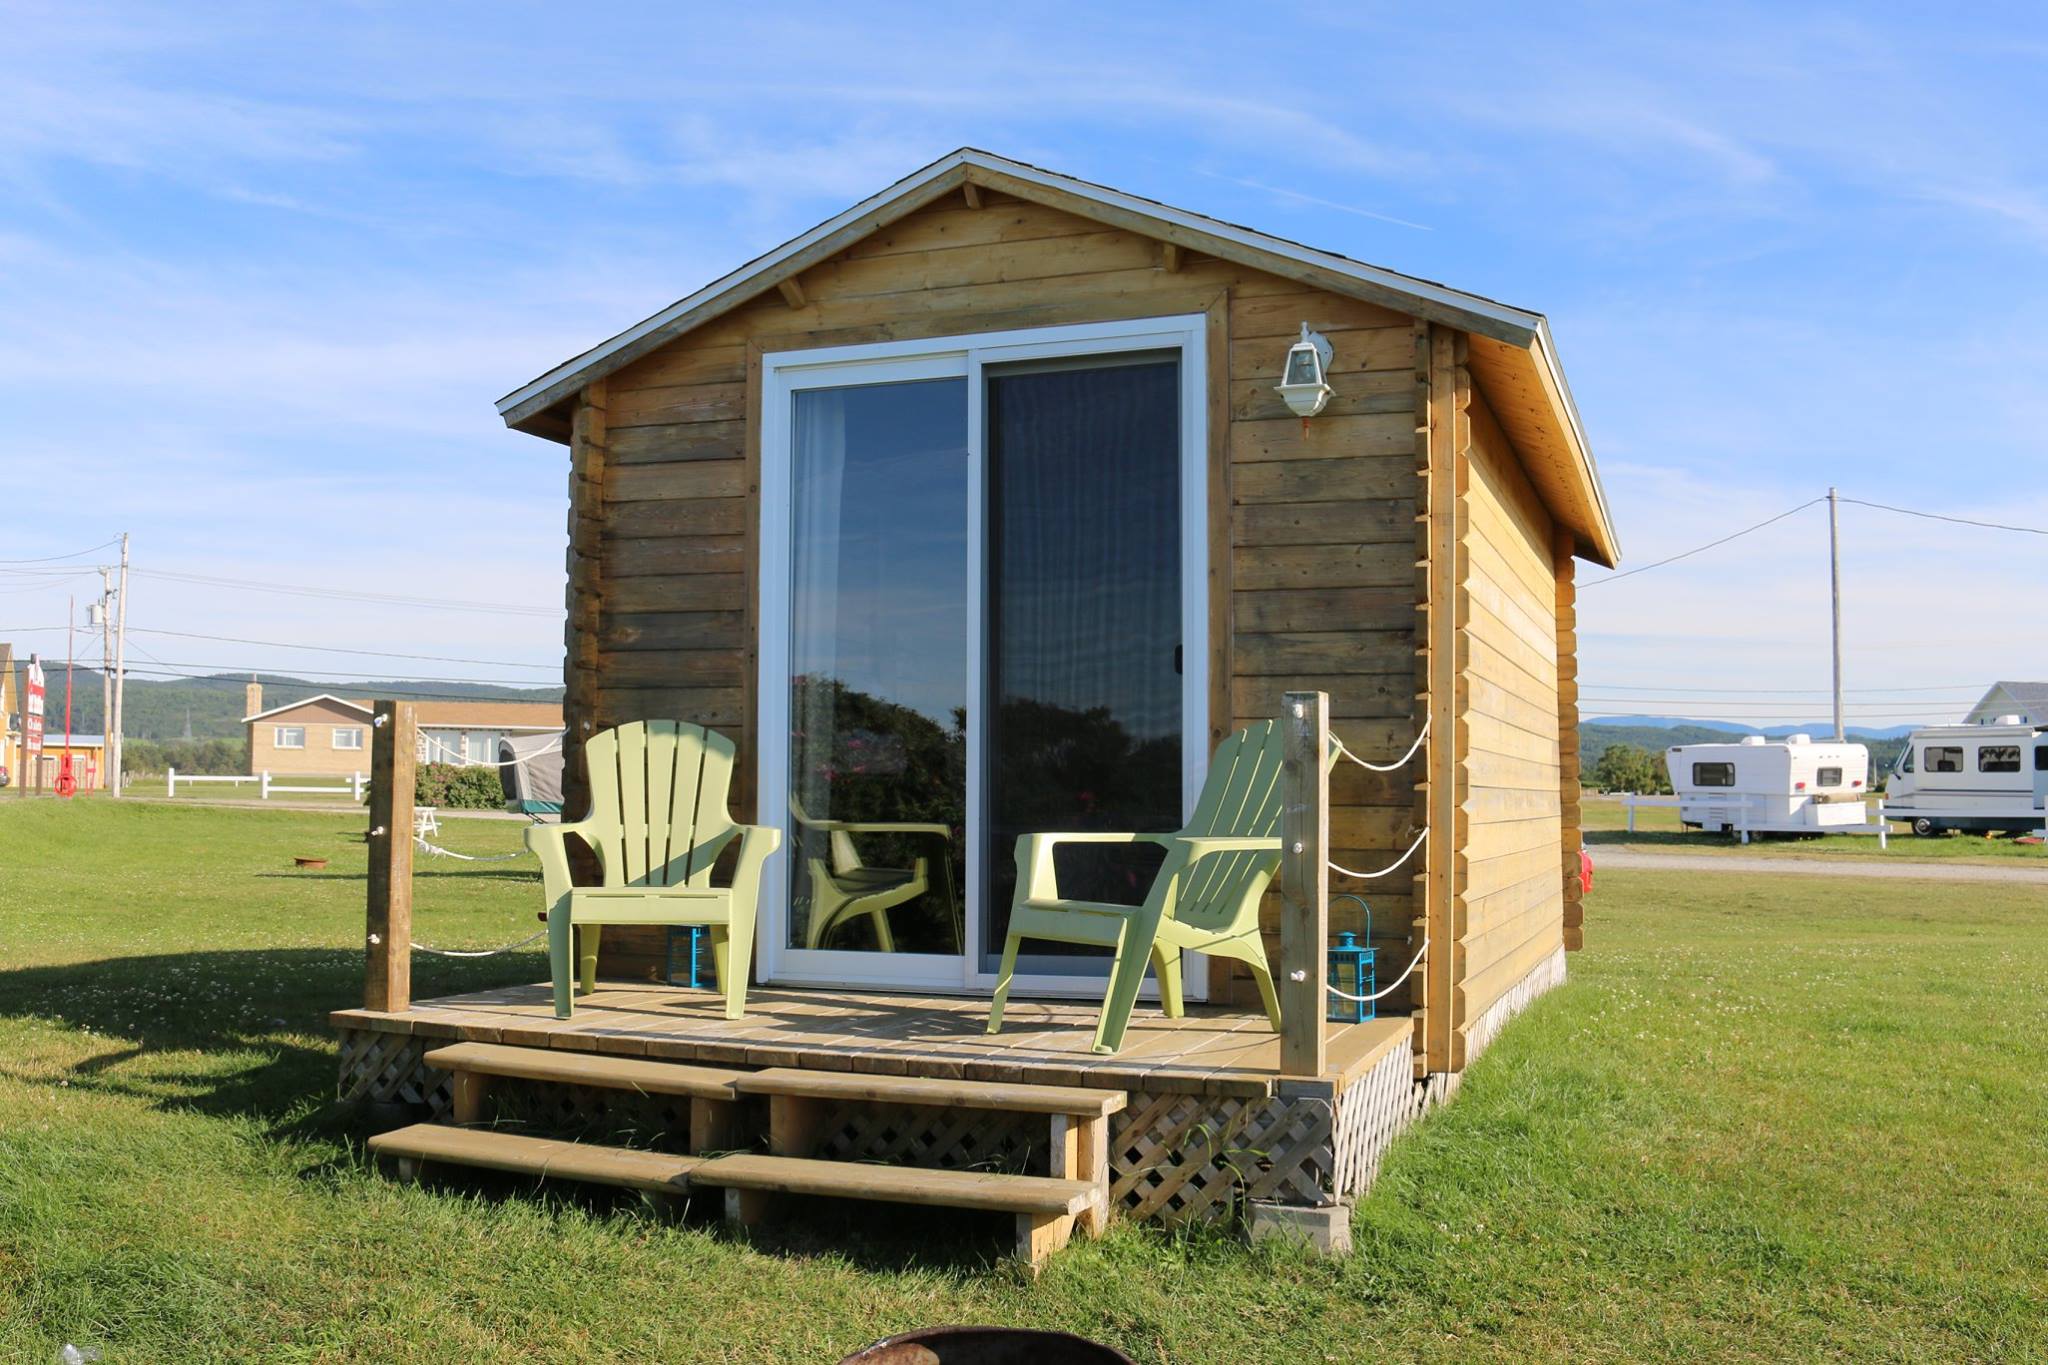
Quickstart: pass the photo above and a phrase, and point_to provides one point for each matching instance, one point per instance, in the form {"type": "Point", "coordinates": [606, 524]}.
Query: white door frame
{"type": "Point", "coordinates": [783, 373]}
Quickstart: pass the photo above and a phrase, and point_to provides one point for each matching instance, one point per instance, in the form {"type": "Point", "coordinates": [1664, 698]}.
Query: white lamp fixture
{"type": "Point", "coordinates": [1303, 383]}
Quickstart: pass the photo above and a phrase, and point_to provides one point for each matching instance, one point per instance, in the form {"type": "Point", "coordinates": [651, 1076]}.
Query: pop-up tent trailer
{"type": "Point", "coordinates": [531, 773]}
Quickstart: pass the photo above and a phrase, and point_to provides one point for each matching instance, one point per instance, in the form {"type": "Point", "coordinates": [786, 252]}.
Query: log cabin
{"type": "Point", "coordinates": [977, 510]}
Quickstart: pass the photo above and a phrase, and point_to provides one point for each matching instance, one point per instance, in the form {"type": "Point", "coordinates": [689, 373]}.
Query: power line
{"type": "Point", "coordinates": [1960, 521]}
{"type": "Point", "coordinates": [48, 559]}
{"type": "Point", "coordinates": [1702, 549]}
{"type": "Point", "coordinates": [1777, 691]}
{"type": "Point", "coordinates": [342, 674]}
{"type": "Point", "coordinates": [337, 649]}
{"type": "Point", "coordinates": [341, 594]}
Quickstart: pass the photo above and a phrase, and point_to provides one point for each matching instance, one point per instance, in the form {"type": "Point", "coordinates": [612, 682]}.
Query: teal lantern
{"type": "Point", "coordinates": [694, 936]}
{"type": "Point", "coordinates": [1352, 972]}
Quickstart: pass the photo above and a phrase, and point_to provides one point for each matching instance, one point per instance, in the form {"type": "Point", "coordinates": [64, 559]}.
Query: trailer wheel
{"type": "Point", "coordinates": [1926, 828]}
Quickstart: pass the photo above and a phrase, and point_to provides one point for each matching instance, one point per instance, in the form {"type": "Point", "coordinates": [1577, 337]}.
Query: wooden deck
{"type": "Point", "coordinates": [1208, 1052]}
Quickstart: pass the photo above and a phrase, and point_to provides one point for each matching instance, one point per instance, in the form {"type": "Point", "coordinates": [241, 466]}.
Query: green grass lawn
{"type": "Point", "coordinates": [1606, 822]}
{"type": "Point", "coordinates": [1763, 1122]}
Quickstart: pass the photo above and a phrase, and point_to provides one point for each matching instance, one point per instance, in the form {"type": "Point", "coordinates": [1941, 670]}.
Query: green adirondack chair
{"type": "Point", "coordinates": [1205, 898]}
{"type": "Point", "coordinates": [658, 822]}
{"type": "Point", "coordinates": [844, 887]}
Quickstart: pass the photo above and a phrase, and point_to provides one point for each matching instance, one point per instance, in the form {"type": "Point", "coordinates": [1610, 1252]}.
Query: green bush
{"type": "Point", "coordinates": [451, 786]}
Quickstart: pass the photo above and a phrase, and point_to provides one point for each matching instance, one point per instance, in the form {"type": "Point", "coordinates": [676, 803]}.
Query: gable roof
{"type": "Point", "coordinates": [2031, 695]}
{"type": "Point", "coordinates": [482, 713]}
{"type": "Point", "coordinates": [1512, 355]}
{"type": "Point", "coordinates": [308, 701]}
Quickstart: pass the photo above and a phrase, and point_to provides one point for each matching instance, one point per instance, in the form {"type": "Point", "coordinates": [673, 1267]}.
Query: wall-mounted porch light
{"type": "Point", "coordinates": [1304, 382]}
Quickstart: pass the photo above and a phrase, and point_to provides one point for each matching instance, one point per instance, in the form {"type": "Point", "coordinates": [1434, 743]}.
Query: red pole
{"type": "Point", "coordinates": [67, 785]}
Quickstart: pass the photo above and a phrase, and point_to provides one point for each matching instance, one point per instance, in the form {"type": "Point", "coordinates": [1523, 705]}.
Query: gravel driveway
{"type": "Point", "coordinates": [1634, 859]}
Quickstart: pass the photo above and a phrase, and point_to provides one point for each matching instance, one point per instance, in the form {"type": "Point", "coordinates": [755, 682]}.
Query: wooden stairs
{"type": "Point", "coordinates": [724, 1126]}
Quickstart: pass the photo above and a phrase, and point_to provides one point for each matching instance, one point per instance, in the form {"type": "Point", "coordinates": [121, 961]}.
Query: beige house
{"type": "Point", "coordinates": [329, 736]}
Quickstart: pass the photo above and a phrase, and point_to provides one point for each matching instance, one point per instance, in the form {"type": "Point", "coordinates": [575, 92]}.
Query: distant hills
{"type": "Point", "coordinates": [1817, 729]}
{"type": "Point", "coordinates": [211, 707]}
{"type": "Point", "coordinates": [1658, 733]}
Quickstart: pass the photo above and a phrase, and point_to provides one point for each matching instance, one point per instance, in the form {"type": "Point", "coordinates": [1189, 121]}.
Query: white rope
{"type": "Point", "coordinates": [1390, 867]}
{"type": "Point", "coordinates": [1368, 999]}
{"type": "Point", "coordinates": [485, 952]}
{"type": "Point", "coordinates": [433, 744]}
{"type": "Point", "coordinates": [467, 857]}
{"type": "Point", "coordinates": [1400, 762]}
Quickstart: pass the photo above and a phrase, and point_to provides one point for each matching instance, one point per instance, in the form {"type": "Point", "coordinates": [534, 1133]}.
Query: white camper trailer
{"type": "Point", "coordinates": [1988, 778]}
{"type": "Point", "coordinates": [1764, 786]}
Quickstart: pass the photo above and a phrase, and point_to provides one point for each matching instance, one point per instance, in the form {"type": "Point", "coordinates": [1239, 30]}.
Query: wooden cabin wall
{"type": "Point", "coordinates": [1510, 908]}
{"type": "Point", "coordinates": [1312, 537]}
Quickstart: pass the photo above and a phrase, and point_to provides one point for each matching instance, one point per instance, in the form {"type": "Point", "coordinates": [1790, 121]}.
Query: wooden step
{"type": "Point", "coordinates": [897, 1184]}
{"type": "Point", "coordinates": [1046, 1209]}
{"type": "Point", "coordinates": [586, 1068]}
{"type": "Point", "coordinates": [1079, 1101]}
{"type": "Point", "coordinates": [655, 1172]}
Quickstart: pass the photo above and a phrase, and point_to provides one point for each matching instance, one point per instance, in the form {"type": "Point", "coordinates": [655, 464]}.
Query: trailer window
{"type": "Point", "coordinates": [1828, 777]}
{"type": "Point", "coordinates": [1944, 758]}
{"type": "Point", "coordinates": [1713, 774]}
{"type": "Point", "coordinates": [2041, 758]}
{"type": "Point", "coordinates": [1998, 758]}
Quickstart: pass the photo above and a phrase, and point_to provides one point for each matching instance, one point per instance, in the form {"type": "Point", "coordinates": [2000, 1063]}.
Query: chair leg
{"type": "Point", "coordinates": [1263, 975]}
{"type": "Point", "coordinates": [736, 963]}
{"type": "Point", "coordinates": [885, 938]}
{"type": "Point", "coordinates": [561, 957]}
{"type": "Point", "coordinates": [587, 938]}
{"type": "Point", "coordinates": [1003, 975]}
{"type": "Point", "coordinates": [1166, 967]}
{"type": "Point", "coordinates": [1126, 975]}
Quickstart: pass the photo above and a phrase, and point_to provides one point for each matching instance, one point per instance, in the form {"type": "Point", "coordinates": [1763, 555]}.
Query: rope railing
{"type": "Point", "coordinates": [433, 744]}
{"type": "Point", "coordinates": [468, 857]}
{"type": "Point", "coordinates": [1401, 762]}
{"type": "Point", "coordinates": [1391, 986]}
{"type": "Point", "coordinates": [478, 952]}
{"type": "Point", "coordinates": [1394, 866]}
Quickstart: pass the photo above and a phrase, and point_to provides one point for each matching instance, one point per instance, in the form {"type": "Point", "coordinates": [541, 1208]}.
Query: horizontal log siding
{"type": "Point", "coordinates": [1511, 908]}
{"type": "Point", "coordinates": [1312, 546]}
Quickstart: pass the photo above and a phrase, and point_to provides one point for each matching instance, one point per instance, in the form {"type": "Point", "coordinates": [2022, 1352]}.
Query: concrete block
{"type": "Point", "coordinates": [1324, 1229]}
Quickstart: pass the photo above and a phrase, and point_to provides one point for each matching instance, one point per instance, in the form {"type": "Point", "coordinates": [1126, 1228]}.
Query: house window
{"type": "Point", "coordinates": [1828, 777]}
{"type": "Point", "coordinates": [348, 737]}
{"type": "Point", "coordinates": [1944, 758]}
{"type": "Point", "coordinates": [1713, 774]}
{"type": "Point", "coordinates": [288, 737]}
{"type": "Point", "coordinates": [1998, 758]}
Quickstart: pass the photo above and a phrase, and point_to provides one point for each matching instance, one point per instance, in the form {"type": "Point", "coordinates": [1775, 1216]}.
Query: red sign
{"type": "Point", "coordinates": [32, 716]}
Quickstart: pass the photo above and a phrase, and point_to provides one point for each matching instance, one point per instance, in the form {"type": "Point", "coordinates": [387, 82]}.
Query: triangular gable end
{"type": "Point", "coordinates": [1512, 356]}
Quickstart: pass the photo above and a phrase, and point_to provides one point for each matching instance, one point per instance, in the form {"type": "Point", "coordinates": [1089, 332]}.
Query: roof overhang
{"type": "Point", "coordinates": [308, 701]}
{"type": "Point", "coordinates": [1518, 349]}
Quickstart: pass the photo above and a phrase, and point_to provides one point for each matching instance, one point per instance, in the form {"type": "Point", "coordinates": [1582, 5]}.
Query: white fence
{"type": "Point", "coordinates": [1737, 816]}
{"type": "Point", "coordinates": [356, 784]}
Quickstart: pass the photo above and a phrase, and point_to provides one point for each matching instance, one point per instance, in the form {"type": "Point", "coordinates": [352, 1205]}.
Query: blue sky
{"type": "Point", "coordinates": [262, 273]}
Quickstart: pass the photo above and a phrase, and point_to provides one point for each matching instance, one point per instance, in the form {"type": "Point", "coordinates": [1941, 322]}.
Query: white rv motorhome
{"type": "Point", "coordinates": [1788, 786]}
{"type": "Point", "coordinates": [1990, 777]}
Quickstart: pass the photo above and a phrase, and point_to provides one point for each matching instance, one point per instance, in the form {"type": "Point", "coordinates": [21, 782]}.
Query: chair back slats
{"type": "Point", "coordinates": [658, 802]}
{"type": "Point", "coordinates": [1241, 798]}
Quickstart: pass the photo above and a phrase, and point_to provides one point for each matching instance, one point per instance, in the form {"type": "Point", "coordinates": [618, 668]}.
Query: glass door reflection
{"type": "Point", "coordinates": [877, 792]}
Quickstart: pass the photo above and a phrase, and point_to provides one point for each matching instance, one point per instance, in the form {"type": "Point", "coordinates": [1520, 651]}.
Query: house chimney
{"type": "Point", "coordinates": [252, 698]}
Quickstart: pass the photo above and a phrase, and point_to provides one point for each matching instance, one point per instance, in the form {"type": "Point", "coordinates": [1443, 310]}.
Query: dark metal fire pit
{"type": "Point", "coordinates": [986, 1346]}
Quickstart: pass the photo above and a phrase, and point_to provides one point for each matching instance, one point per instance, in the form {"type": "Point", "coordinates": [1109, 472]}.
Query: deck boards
{"type": "Point", "coordinates": [1210, 1051]}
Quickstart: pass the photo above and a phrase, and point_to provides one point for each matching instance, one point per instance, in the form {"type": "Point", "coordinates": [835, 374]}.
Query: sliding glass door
{"type": "Point", "coordinates": [982, 587]}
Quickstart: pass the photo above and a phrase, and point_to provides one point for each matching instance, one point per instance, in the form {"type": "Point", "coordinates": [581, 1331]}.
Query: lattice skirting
{"type": "Point", "coordinates": [387, 1068]}
{"type": "Point", "coordinates": [1547, 974]}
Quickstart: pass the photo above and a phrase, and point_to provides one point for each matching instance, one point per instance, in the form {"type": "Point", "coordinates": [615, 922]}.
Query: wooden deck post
{"type": "Point", "coordinates": [1304, 881]}
{"type": "Point", "coordinates": [387, 976]}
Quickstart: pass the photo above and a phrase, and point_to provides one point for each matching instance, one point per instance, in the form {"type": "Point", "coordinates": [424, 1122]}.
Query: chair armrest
{"type": "Point", "coordinates": [551, 844]}
{"type": "Point", "coordinates": [1035, 878]}
{"type": "Point", "coordinates": [1202, 845]}
{"type": "Point", "coordinates": [756, 843]}
{"type": "Point", "coordinates": [880, 827]}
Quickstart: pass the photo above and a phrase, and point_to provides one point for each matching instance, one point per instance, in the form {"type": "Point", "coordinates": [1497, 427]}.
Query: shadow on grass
{"type": "Point", "coordinates": [249, 1016]}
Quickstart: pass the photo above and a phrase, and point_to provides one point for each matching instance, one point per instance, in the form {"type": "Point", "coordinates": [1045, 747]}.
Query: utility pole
{"type": "Point", "coordinates": [1835, 589]}
{"type": "Point", "coordinates": [121, 670]}
{"type": "Point", "coordinates": [105, 613]}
